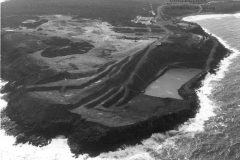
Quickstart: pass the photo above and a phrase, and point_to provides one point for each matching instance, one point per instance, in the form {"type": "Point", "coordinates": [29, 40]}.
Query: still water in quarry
{"type": "Point", "coordinates": [168, 84]}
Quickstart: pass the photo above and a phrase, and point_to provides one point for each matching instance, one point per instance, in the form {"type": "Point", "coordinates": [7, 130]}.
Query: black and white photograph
{"type": "Point", "coordinates": [120, 80]}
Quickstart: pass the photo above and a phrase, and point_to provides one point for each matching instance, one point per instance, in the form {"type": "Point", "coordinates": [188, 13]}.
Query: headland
{"type": "Point", "coordinates": [86, 78]}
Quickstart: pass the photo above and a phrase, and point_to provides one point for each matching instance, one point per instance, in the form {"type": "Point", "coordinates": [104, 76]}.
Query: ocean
{"type": "Point", "coordinates": [212, 135]}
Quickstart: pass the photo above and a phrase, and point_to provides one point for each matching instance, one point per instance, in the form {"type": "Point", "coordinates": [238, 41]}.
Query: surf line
{"type": "Point", "coordinates": [207, 105]}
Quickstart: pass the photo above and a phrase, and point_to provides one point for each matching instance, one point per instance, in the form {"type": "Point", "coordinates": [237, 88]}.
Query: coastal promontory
{"type": "Point", "coordinates": [86, 78]}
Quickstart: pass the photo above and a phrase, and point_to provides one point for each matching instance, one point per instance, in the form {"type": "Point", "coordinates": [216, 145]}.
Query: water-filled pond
{"type": "Point", "coordinates": [168, 84]}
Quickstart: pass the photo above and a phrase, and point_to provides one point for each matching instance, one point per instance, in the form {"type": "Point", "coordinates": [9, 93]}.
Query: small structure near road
{"type": "Point", "coordinates": [143, 20]}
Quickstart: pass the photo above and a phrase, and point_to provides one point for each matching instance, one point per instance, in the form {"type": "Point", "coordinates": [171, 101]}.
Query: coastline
{"type": "Point", "coordinates": [221, 42]}
{"type": "Point", "coordinates": [210, 15]}
{"type": "Point", "coordinates": [196, 124]}
{"type": "Point", "coordinates": [198, 17]}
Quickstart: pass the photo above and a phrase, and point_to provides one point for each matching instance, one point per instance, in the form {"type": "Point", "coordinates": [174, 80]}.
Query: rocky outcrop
{"type": "Point", "coordinates": [104, 110]}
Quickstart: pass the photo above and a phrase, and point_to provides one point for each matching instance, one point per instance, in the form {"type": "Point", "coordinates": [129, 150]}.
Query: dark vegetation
{"type": "Point", "coordinates": [58, 42]}
{"type": "Point", "coordinates": [64, 47]}
{"type": "Point", "coordinates": [140, 30]}
{"type": "Point", "coordinates": [196, 30]}
{"type": "Point", "coordinates": [130, 38]}
{"type": "Point", "coordinates": [123, 30]}
{"type": "Point", "coordinates": [118, 13]}
{"type": "Point", "coordinates": [208, 8]}
{"type": "Point", "coordinates": [220, 7]}
{"type": "Point", "coordinates": [173, 28]}
{"type": "Point", "coordinates": [180, 10]}
{"type": "Point", "coordinates": [157, 30]}
{"type": "Point", "coordinates": [226, 7]}
{"type": "Point", "coordinates": [178, 39]}
{"type": "Point", "coordinates": [56, 52]}
{"type": "Point", "coordinates": [139, 34]}
{"type": "Point", "coordinates": [155, 27]}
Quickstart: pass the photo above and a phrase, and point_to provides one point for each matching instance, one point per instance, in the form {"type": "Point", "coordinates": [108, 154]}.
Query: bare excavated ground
{"type": "Point", "coordinates": [74, 45]}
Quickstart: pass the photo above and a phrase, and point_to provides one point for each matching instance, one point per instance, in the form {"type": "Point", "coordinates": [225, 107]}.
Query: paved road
{"type": "Point", "coordinates": [161, 21]}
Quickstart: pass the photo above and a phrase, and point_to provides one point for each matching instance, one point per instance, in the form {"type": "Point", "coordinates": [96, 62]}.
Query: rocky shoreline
{"type": "Point", "coordinates": [108, 108]}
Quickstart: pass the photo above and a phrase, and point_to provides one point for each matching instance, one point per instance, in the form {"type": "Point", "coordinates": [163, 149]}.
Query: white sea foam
{"type": "Point", "coordinates": [207, 106]}
{"type": "Point", "coordinates": [3, 103]}
{"type": "Point", "coordinates": [3, 1]}
{"type": "Point", "coordinates": [56, 150]}
{"type": "Point", "coordinates": [9, 30]}
{"type": "Point", "coordinates": [209, 16]}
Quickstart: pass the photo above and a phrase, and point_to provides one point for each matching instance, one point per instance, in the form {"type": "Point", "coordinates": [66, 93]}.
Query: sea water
{"type": "Point", "coordinates": [212, 135]}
